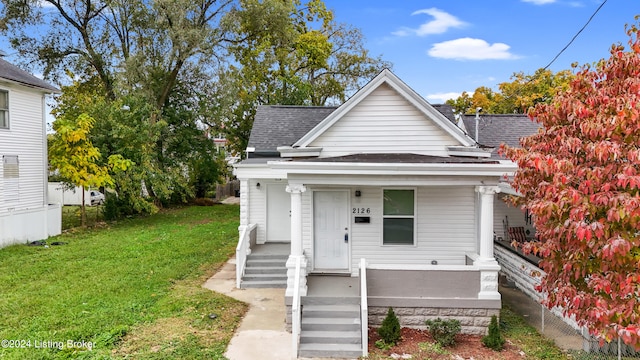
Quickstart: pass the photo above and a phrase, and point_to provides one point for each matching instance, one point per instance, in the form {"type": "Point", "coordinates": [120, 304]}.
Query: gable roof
{"type": "Point", "coordinates": [283, 125]}
{"type": "Point", "coordinates": [495, 129]}
{"type": "Point", "coordinates": [387, 77]}
{"type": "Point", "coordinates": [446, 110]}
{"type": "Point", "coordinates": [13, 73]}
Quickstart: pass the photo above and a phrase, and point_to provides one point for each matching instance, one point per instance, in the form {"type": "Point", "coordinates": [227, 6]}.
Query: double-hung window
{"type": "Point", "coordinates": [398, 217]}
{"type": "Point", "coordinates": [11, 178]}
{"type": "Point", "coordinates": [4, 109]}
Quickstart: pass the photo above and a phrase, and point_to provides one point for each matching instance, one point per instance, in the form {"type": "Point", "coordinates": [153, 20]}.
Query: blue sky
{"type": "Point", "coordinates": [443, 47]}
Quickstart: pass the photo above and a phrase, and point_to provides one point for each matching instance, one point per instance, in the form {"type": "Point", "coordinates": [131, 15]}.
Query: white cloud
{"type": "Point", "coordinates": [471, 49]}
{"type": "Point", "coordinates": [441, 98]}
{"type": "Point", "coordinates": [441, 22]}
{"type": "Point", "coordinates": [45, 4]}
{"type": "Point", "coordinates": [539, 2]}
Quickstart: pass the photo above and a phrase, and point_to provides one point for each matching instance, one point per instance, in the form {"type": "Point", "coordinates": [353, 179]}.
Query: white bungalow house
{"type": "Point", "coordinates": [25, 214]}
{"type": "Point", "coordinates": [380, 202]}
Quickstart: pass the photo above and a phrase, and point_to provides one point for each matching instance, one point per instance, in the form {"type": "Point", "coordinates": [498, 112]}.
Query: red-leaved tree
{"type": "Point", "coordinates": [580, 178]}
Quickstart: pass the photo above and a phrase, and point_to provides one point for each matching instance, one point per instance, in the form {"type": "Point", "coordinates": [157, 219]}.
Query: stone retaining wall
{"type": "Point", "coordinates": [472, 321]}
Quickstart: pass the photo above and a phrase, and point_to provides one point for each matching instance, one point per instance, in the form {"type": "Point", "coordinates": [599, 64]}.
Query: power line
{"type": "Point", "coordinates": [576, 35]}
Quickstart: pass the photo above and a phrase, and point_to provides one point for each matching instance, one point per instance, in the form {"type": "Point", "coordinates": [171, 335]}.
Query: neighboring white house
{"type": "Point", "coordinates": [384, 180]}
{"type": "Point", "coordinates": [25, 214]}
{"type": "Point", "coordinates": [58, 193]}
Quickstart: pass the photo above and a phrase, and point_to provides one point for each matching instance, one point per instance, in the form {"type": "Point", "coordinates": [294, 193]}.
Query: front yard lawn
{"type": "Point", "coordinates": [130, 289]}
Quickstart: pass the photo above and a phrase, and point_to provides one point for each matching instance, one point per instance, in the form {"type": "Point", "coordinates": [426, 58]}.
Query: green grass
{"type": "Point", "coordinates": [527, 338]}
{"type": "Point", "coordinates": [133, 288]}
{"type": "Point", "coordinates": [71, 216]}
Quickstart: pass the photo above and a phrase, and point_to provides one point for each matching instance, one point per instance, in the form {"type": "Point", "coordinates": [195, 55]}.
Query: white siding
{"type": "Point", "coordinates": [21, 226]}
{"type": "Point", "coordinates": [307, 224]}
{"type": "Point", "coordinates": [28, 218]}
{"type": "Point", "coordinates": [384, 122]}
{"type": "Point", "coordinates": [25, 138]}
{"type": "Point", "coordinates": [1, 177]}
{"type": "Point", "coordinates": [257, 209]}
{"type": "Point", "coordinates": [502, 211]}
{"type": "Point", "coordinates": [445, 227]}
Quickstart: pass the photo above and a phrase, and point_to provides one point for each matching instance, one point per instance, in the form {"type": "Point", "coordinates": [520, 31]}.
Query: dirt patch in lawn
{"type": "Point", "coordinates": [420, 345]}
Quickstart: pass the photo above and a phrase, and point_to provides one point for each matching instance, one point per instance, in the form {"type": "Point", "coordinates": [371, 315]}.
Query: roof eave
{"type": "Point", "coordinates": [46, 90]}
{"type": "Point", "coordinates": [289, 151]}
{"type": "Point", "coordinates": [356, 168]}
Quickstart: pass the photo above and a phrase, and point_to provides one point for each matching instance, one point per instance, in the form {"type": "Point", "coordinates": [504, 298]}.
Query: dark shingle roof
{"type": "Point", "coordinates": [446, 110]}
{"type": "Point", "coordinates": [496, 129]}
{"type": "Point", "coordinates": [11, 72]}
{"type": "Point", "coordinates": [283, 125]}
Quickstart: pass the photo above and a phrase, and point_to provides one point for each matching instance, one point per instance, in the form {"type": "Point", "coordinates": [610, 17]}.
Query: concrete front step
{"type": "Point", "coordinates": [265, 284]}
{"type": "Point", "coordinates": [266, 263]}
{"type": "Point", "coordinates": [330, 337]}
{"type": "Point", "coordinates": [328, 311]}
{"type": "Point", "coordinates": [330, 300]}
{"type": "Point", "coordinates": [265, 277]}
{"type": "Point", "coordinates": [330, 324]}
{"type": "Point", "coordinates": [265, 270]}
{"type": "Point", "coordinates": [348, 351]}
{"type": "Point", "coordinates": [268, 256]}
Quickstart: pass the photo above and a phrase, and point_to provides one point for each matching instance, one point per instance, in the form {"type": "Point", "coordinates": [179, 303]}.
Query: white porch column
{"type": "Point", "coordinates": [296, 191]}
{"type": "Point", "coordinates": [486, 262]}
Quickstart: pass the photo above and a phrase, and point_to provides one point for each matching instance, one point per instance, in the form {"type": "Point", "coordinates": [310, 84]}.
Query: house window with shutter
{"type": "Point", "coordinates": [398, 217]}
{"type": "Point", "coordinates": [4, 109]}
{"type": "Point", "coordinates": [11, 178]}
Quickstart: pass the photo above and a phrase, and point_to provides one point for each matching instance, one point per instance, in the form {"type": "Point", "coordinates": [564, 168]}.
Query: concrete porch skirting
{"type": "Point", "coordinates": [419, 295]}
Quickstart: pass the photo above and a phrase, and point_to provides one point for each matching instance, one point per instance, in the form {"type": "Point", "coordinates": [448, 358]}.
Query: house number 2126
{"type": "Point", "coordinates": [361, 211]}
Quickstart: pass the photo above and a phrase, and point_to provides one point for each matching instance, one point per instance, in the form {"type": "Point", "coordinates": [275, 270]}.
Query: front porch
{"type": "Point", "coordinates": [426, 250]}
{"type": "Point", "coordinates": [331, 312]}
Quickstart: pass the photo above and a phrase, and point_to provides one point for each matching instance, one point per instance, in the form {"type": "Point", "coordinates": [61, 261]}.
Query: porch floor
{"type": "Point", "coordinates": [317, 285]}
{"type": "Point", "coordinates": [333, 286]}
{"type": "Point", "coordinates": [271, 249]}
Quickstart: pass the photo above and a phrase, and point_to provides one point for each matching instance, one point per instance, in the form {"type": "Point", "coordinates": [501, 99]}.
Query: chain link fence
{"type": "Point", "coordinates": [566, 334]}
{"type": "Point", "coordinates": [519, 277]}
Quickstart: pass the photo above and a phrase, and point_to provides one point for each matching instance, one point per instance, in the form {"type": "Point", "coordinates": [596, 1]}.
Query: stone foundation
{"type": "Point", "coordinates": [472, 321]}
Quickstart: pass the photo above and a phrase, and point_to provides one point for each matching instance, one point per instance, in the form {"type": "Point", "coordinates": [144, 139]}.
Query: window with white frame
{"type": "Point", "coordinates": [398, 217]}
{"type": "Point", "coordinates": [11, 177]}
{"type": "Point", "coordinates": [4, 109]}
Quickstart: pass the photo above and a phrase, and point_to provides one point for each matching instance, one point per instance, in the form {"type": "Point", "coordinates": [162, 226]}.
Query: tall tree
{"type": "Point", "coordinates": [75, 159]}
{"type": "Point", "coordinates": [525, 91]}
{"type": "Point", "coordinates": [130, 53]}
{"type": "Point", "coordinates": [516, 96]}
{"type": "Point", "coordinates": [580, 178]}
{"type": "Point", "coordinates": [291, 53]}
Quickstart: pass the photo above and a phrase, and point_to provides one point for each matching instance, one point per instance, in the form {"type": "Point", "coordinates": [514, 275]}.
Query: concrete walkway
{"type": "Point", "coordinates": [261, 334]}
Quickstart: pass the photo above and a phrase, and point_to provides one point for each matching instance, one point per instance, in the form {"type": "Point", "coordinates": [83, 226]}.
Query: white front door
{"type": "Point", "coordinates": [278, 213]}
{"type": "Point", "coordinates": [331, 230]}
